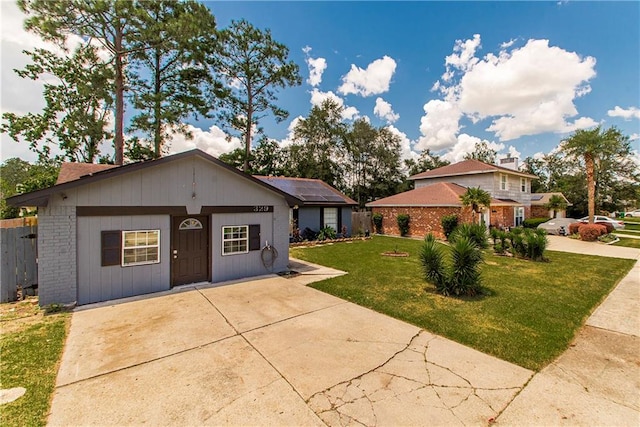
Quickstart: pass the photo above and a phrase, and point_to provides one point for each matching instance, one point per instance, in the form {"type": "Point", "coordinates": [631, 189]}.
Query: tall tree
{"type": "Point", "coordinates": [77, 107]}
{"type": "Point", "coordinates": [168, 71]}
{"type": "Point", "coordinates": [319, 141]}
{"type": "Point", "coordinates": [253, 66]}
{"type": "Point", "coordinates": [113, 24]}
{"type": "Point", "coordinates": [18, 176]}
{"type": "Point", "coordinates": [476, 198]}
{"type": "Point", "coordinates": [596, 148]}
{"type": "Point", "coordinates": [535, 167]}
{"type": "Point", "coordinates": [483, 152]}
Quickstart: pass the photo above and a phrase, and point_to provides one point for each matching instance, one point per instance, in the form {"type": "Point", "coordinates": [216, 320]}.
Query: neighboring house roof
{"type": "Point", "coordinates": [310, 191]}
{"type": "Point", "coordinates": [72, 171]}
{"type": "Point", "coordinates": [41, 197]}
{"type": "Point", "coordinates": [468, 167]}
{"type": "Point", "coordinates": [541, 199]}
{"type": "Point", "coordinates": [441, 194]}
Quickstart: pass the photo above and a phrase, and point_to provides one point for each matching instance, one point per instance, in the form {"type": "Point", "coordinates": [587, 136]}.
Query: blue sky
{"type": "Point", "coordinates": [520, 75]}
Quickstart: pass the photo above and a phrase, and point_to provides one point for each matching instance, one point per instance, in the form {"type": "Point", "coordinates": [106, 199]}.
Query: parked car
{"type": "Point", "coordinates": [618, 225]}
{"type": "Point", "coordinates": [634, 214]}
{"type": "Point", "coordinates": [557, 226]}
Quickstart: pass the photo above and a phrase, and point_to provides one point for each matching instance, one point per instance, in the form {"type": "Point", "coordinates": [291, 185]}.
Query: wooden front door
{"type": "Point", "coordinates": [190, 252]}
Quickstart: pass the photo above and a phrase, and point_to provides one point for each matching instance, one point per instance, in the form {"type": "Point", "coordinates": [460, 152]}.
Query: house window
{"type": "Point", "coordinates": [518, 215]}
{"type": "Point", "coordinates": [330, 218]}
{"type": "Point", "coordinates": [503, 182]}
{"type": "Point", "coordinates": [235, 240]}
{"type": "Point", "coordinates": [523, 185]}
{"type": "Point", "coordinates": [190, 224]}
{"type": "Point", "coordinates": [140, 247]}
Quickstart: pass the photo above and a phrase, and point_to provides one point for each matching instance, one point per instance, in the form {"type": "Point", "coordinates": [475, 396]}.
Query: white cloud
{"type": "Point", "coordinates": [318, 97]}
{"type": "Point", "coordinates": [524, 91]}
{"type": "Point", "coordinates": [628, 114]}
{"type": "Point", "coordinates": [439, 126]}
{"type": "Point", "coordinates": [406, 152]}
{"type": "Point", "coordinates": [384, 111]}
{"type": "Point", "coordinates": [316, 67]}
{"type": "Point", "coordinates": [467, 144]}
{"type": "Point", "coordinates": [372, 81]}
{"type": "Point", "coordinates": [214, 141]}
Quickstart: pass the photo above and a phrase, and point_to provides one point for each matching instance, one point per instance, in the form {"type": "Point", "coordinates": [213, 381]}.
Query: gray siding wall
{"type": "Point", "coordinates": [272, 229]}
{"type": "Point", "coordinates": [346, 219]}
{"type": "Point", "coordinates": [97, 283]}
{"type": "Point", "coordinates": [489, 182]}
{"type": "Point", "coordinates": [57, 273]}
{"type": "Point", "coordinates": [309, 217]}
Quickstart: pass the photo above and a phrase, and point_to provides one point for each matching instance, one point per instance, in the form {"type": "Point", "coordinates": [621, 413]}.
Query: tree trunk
{"type": "Point", "coordinates": [119, 113]}
{"type": "Point", "coordinates": [591, 186]}
{"type": "Point", "coordinates": [247, 133]}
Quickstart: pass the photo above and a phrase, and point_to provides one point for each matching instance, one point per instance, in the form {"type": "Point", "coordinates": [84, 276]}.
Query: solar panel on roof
{"type": "Point", "coordinates": [533, 197]}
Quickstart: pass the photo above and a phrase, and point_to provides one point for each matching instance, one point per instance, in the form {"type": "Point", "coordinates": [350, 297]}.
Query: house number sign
{"type": "Point", "coordinates": [263, 208]}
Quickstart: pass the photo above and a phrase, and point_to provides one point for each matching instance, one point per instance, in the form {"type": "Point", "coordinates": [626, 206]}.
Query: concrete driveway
{"type": "Point", "coordinates": [270, 352]}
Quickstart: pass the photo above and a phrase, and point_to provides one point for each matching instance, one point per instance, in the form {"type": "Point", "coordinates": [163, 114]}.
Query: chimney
{"type": "Point", "coordinates": [509, 163]}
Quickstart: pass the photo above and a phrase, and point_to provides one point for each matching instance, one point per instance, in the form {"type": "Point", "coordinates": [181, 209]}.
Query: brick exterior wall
{"type": "Point", "coordinates": [502, 217]}
{"type": "Point", "coordinates": [57, 272]}
{"type": "Point", "coordinates": [422, 220]}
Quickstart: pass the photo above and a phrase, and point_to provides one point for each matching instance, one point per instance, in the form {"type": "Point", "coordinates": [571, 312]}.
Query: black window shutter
{"type": "Point", "coordinates": [254, 237]}
{"type": "Point", "coordinates": [110, 244]}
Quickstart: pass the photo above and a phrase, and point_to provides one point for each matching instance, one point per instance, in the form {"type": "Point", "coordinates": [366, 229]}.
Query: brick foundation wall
{"type": "Point", "coordinates": [57, 272]}
{"type": "Point", "coordinates": [422, 220]}
{"type": "Point", "coordinates": [539, 212]}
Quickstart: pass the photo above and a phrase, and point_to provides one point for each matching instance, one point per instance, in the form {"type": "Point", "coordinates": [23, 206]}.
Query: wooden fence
{"type": "Point", "coordinates": [18, 257]}
{"type": "Point", "coordinates": [361, 223]}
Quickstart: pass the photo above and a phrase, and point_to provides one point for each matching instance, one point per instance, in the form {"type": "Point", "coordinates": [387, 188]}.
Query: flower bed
{"type": "Point", "coordinates": [323, 242]}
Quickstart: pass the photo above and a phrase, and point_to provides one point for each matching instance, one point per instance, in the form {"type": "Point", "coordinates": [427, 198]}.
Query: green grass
{"type": "Point", "coordinates": [30, 359]}
{"type": "Point", "coordinates": [633, 227]}
{"type": "Point", "coordinates": [627, 243]}
{"type": "Point", "coordinates": [529, 315]}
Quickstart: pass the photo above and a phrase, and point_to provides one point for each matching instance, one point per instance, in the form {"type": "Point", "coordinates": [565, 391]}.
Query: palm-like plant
{"type": "Point", "coordinates": [591, 145]}
{"type": "Point", "coordinates": [556, 203]}
{"type": "Point", "coordinates": [477, 198]}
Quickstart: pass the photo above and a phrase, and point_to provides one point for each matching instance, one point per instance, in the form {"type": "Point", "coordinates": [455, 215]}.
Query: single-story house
{"type": "Point", "coordinates": [114, 232]}
{"type": "Point", "coordinates": [320, 204]}
{"type": "Point", "coordinates": [426, 206]}
{"type": "Point", "coordinates": [538, 209]}
{"type": "Point", "coordinates": [509, 188]}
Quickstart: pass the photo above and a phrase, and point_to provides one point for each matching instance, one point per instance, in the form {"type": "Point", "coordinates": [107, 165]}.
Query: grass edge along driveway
{"type": "Point", "coordinates": [529, 315]}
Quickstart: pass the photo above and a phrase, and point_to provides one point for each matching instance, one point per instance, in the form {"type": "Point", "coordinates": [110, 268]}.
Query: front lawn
{"type": "Point", "coordinates": [628, 243]}
{"type": "Point", "coordinates": [31, 345]}
{"type": "Point", "coordinates": [529, 316]}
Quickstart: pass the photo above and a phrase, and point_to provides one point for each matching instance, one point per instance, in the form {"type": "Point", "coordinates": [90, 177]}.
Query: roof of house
{"type": "Point", "coordinates": [41, 197]}
{"type": "Point", "coordinates": [72, 171]}
{"type": "Point", "coordinates": [310, 191]}
{"type": "Point", "coordinates": [441, 194]}
{"type": "Point", "coordinates": [540, 199]}
{"type": "Point", "coordinates": [468, 167]}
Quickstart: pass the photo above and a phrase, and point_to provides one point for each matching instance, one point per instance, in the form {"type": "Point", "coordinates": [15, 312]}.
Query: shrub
{"type": "Point", "coordinates": [591, 232]}
{"type": "Point", "coordinates": [403, 224]}
{"type": "Point", "coordinates": [534, 222]}
{"type": "Point", "coordinates": [326, 233]}
{"type": "Point", "coordinates": [449, 223]}
{"type": "Point", "coordinates": [573, 228]}
{"type": "Point", "coordinates": [462, 276]}
{"type": "Point", "coordinates": [528, 243]}
{"type": "Point", "coordinates": [494, 233]}
{"type": "Point", "coordinates": [308, 234]}
{"type": "Point", "coordinates": [377, 222]}
{"type": "Point", "coordinates": [477, 233]}
{"type": "Point", "coordinates": [610, 228]}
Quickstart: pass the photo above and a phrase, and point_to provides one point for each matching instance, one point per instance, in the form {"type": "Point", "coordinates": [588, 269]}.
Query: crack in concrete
{"type": "Point", "coordinates": [362, 399]}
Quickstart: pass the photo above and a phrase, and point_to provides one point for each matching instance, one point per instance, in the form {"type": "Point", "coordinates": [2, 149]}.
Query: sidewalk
{"type": "Point", "coordinates": [597, 380]}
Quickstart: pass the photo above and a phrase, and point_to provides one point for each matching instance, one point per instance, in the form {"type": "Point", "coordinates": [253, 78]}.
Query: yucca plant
{"type": "Point", "coordinates": [477, 233]}
{"type": "Point", "coordinates": [461, 276]}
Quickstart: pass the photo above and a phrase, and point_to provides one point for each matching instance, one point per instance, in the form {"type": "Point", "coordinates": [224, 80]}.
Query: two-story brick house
{"type": "Point", "coordinates": [437, 193]}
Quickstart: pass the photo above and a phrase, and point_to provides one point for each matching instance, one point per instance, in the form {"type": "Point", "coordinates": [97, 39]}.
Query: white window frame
{"type": "Point", "coordinates": [235, 239]}
{"type": "Point", "coordinates": [139, 247]}
{"type": "Point", "coordinates": [523, 185]}
{"type": "Point", "coordinates": [516, 214]}
{"type": "Point", "coordinates": [324, 218]}
{"type": "Point", "coordinates": [504, 182]}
